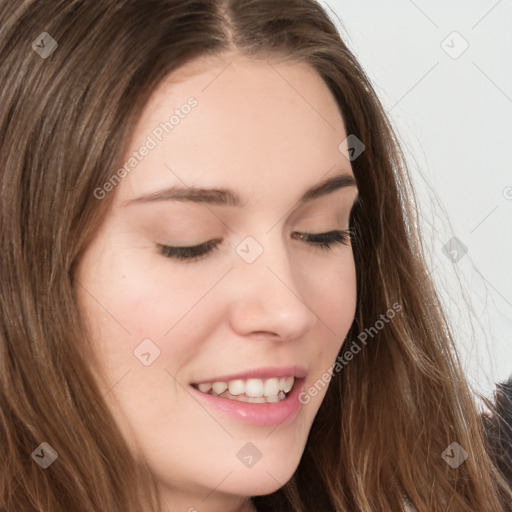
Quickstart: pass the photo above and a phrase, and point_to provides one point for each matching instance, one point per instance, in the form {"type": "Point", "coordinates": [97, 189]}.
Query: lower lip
{"type": "Point", "coordinates": [274, 413]}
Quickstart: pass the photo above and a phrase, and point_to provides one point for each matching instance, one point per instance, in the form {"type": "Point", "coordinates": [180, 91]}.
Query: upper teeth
{"type": "Point", "coordinates": [251, 387]}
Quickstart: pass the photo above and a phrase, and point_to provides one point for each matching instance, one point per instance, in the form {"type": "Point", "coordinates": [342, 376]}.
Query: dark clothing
{"type": "Point", "coordinates": [499, 430]}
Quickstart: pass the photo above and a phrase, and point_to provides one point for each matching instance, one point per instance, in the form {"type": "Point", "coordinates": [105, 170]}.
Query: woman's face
{"type": "Point", "coordinates": [263, 306]}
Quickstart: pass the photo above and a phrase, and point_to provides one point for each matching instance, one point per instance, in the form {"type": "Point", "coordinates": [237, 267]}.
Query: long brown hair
{"type": "Point", "coordinates": [65, 122]}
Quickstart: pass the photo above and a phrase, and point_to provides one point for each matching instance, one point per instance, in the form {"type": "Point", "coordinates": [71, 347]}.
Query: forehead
{"type": "Point", "coordinates": [253, 122]}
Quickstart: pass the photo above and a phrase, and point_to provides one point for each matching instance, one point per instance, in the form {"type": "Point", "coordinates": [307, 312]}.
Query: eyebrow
{"type": "Point", "coordinates": [228, 197]}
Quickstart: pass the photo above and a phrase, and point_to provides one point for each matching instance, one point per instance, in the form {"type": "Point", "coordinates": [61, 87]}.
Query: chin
{"type": "Point", "coordinates": [267, 478]}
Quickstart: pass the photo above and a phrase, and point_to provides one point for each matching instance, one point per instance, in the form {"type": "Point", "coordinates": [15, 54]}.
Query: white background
{"type": "Point", "coordinates": [454, 119]}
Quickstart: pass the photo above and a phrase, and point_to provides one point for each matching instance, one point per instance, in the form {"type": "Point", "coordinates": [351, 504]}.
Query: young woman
{"type": "Point", "coordinates": [213, 291]}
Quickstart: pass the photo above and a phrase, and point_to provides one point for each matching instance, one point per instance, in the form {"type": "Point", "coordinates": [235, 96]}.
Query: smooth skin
{"type": "Point", "coordinates": [269, 131]}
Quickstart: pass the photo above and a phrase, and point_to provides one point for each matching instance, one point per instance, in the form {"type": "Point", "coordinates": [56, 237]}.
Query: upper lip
{"type": "Point", "coordinates": [264, 372]}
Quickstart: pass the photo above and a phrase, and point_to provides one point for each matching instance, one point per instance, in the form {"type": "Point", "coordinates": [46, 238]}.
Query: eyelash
{"type": "Point", "coordinates": [322, 241]}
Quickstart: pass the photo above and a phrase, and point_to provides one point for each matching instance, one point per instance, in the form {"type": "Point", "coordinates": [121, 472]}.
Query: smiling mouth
{"type": "Point", "coordinates": [256, 391]}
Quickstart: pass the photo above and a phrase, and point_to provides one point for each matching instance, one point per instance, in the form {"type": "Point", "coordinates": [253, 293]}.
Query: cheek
{"type": "Point", "coordinates": [131, 296]}
{"type": "Point", "coordinates": [140, 293]}
{"type": "Point", "coordinates": [333, 294]}
{"type": "Point", "coordinates": [333, 297]}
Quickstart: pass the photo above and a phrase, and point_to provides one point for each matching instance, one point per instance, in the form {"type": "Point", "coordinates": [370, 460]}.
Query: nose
{"type": "Point", "coordinates": [270, 297]}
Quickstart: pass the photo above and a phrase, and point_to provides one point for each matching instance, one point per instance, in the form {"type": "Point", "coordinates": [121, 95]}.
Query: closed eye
{"type": "Point", "coordinates": [322, 241]}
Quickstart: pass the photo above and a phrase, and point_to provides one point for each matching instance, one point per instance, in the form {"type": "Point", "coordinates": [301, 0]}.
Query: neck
{"type": "Point", "coordinates": [248, 506]}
